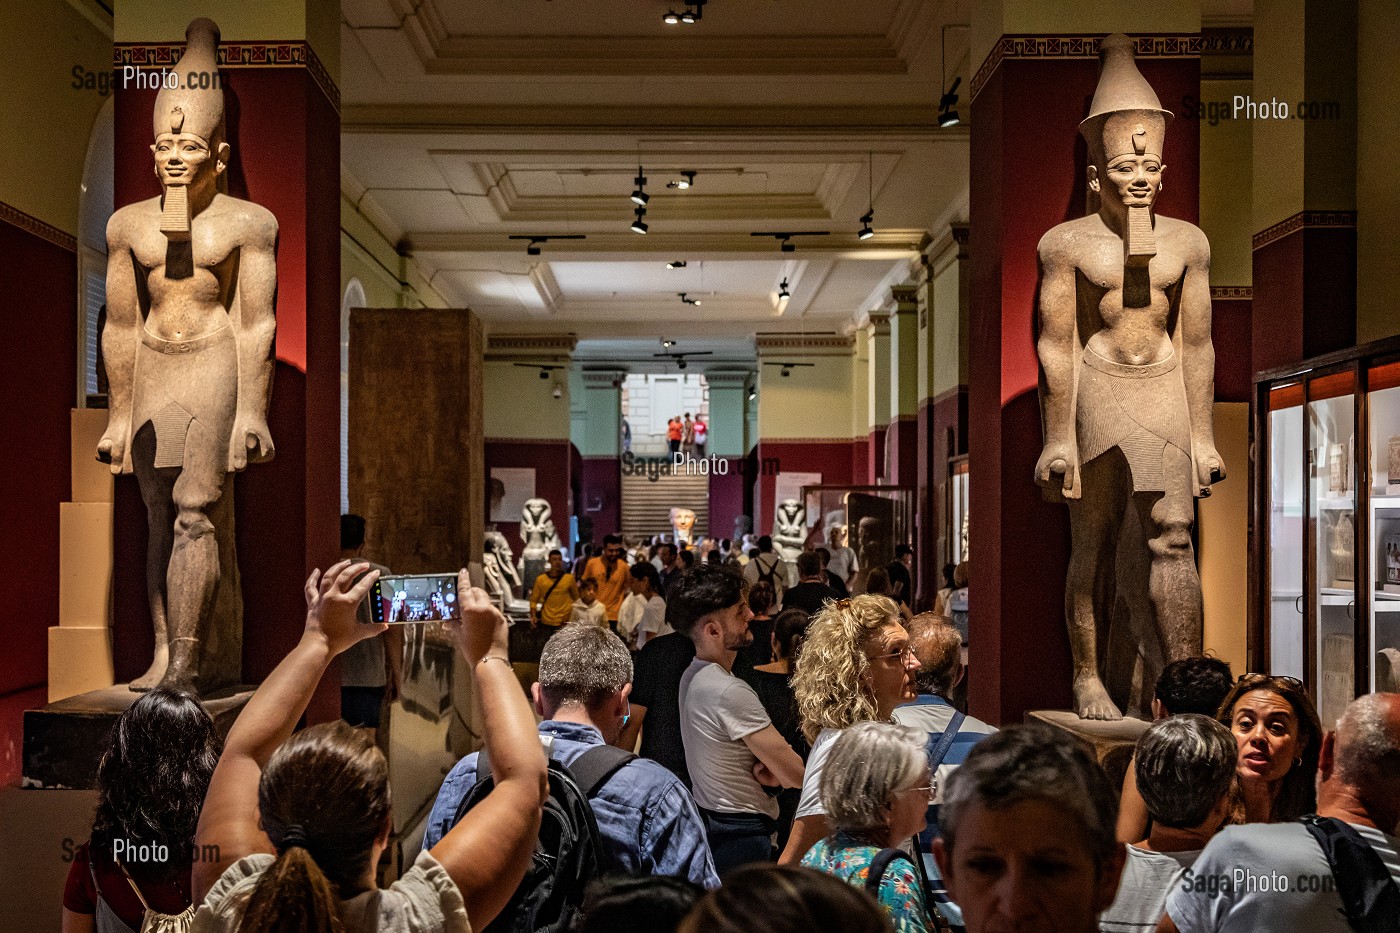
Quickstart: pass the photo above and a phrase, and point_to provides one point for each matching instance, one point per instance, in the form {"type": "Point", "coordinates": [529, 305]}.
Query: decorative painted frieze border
{"type": "Point", "coordinates": [1302, 220]}
{"type": "Point", "coordinates": [234, 55]}
{"type": "Point", "coordinates": [531, 344]}
{"type": "Point", "coordinates": [1165, 45]}
{"type": "Point", "coordinates": [828, 344]}
{"type": "Point", "coordinates": [1232, 293]}
{"type": "Point", "coordinates": [33, 225]}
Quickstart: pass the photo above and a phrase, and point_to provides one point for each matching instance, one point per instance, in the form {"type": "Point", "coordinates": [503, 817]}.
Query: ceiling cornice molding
{"type": "Point", "coordinates": [504, 347]}
{"type": "Point", "coordinates": [918, 122]}
{"type": "Point", "coordinates": [885, 244]}
{"type": "Point", "coordinates": [803, 345]}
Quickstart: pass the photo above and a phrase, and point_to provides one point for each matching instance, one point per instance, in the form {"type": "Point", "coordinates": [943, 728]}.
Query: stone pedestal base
{"type": "Point", "coordinates": [1112, 743]}
{"type": "Point", "coordinates": [64, 741]}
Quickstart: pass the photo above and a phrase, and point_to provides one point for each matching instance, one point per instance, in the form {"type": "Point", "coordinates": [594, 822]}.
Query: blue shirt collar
{"type": "Point", "coordinates": [927, 699]}
{"type": "Point", "coordinates": [572, 731]}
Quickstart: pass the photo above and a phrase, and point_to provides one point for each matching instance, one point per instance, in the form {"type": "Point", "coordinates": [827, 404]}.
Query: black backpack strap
{"type": "Point", "coordinates": [878, 866]}
{"type": "Point", "coordinates": [593, 768]}
{"type": "Point", "coordinates": [939, 751]}
{"type": "Point", "coordinates": [1369, 895]}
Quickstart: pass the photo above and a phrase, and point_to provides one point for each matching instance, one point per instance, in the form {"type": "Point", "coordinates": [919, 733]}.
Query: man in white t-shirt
{"type": "Point", "coordinates": [732, 749]}
{"type": "Point", "coordinates": [1185, 766]}
{"type": "Point", "coordinates": [769, 567]}
{"type": "Point", "coordinates": [1275, 876]}
{"type": "Point", "coordinates": [843, 561]}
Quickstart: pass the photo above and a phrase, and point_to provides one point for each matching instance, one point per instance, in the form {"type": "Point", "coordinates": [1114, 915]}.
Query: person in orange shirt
{"type": "Point", "coordinates": [614, 579]}
{"type": "Point", "coordinates": [673, 435]}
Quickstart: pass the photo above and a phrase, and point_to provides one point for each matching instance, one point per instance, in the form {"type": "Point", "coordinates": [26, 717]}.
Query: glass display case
{"type": "Point", "coordinates": [1325, 567]}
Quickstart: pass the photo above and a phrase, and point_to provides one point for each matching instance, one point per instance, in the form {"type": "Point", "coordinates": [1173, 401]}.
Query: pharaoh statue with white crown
{"type": "Point", "coordinates": [191, 290]}
{"type": "Point", "coordinates": [1127, 381]}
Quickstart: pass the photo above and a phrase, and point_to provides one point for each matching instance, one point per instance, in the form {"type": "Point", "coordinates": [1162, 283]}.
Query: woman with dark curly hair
{"type": "Point", "coordinates": [151, 782]}
{"type": "Point", "coordinates": [1279, 735]}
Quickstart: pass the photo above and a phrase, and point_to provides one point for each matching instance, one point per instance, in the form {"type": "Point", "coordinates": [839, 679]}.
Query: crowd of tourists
{"type": "Point", "coordinates": [714, 743]}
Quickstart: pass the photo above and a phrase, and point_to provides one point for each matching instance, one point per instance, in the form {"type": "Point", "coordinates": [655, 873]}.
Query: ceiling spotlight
{"type": "Point", "coordinates": [671, 18]}
{"type": "Point", "coordinates": [668, 344]}
{"type": "Point", "coordinates": [753, 394]}
{"type": "Point", "coordinates": [686, 180]}
{"type": "Point", "coordinates": [676, 264]}
{"type": "Point", "coordinates": [686, 300]}
{"type": "Point", "coordinates": [639, 225]}
{"type": "Point", "coordinates": [681, 364]}
{"type": "Point", "coordinates": [947, 116]}
{"type": "Point", "coordinates": [783, 293]}
{"type": "Point", "coordinates": [866, 232]}
{"type": "Point", "coordinates": [688, 17]}
{"type": "Point", "coordinates": [784, 238]}
{"type": "Point", "coordinates": [533, 247]}
{"type": "Point", "coordinates": [639, 196]}
{"type": "Point", "coordinates": [788, 246]}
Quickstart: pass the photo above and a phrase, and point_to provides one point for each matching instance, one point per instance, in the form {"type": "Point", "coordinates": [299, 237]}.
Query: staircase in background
{"type": "Point", "coordinates": [646, 505]}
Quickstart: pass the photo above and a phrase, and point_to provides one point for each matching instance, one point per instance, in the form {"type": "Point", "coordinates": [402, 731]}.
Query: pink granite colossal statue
{"type": "Point", "coordinates": [1127, 379]}
{"type": "Point", "coordinates": [191, 288]}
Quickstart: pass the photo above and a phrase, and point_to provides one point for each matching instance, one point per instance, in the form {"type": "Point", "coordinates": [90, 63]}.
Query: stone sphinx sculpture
{"type": "Point", "coordinates": [683, 524]}
{"type": "Point", "coordinates": [1127, 385]}
{"type": "Point", "coordinates": [191, 290]}
{"type": "Point", "coordinates": [789, 528]}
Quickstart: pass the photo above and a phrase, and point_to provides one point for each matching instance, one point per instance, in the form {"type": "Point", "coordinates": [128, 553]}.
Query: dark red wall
{"type": "Point", "coordinates": [285, 136]}
{"type": "Point", "coordinates": [602, 495]}
{"type": "Point", "coordinates": [39, 383]}
{"type": "Point", "coordinates": [1231, 333]}
{"type": "Point", "coordinates": [832, 459]}
{"type": "Point", "coordinates": [1019, 652]}
{"type": "Point", "coordinates": [1304, 296]}
{"type": "Point", "coordinates": [726, 498]}
{"type": "Point", "coordinates": [550, 461]}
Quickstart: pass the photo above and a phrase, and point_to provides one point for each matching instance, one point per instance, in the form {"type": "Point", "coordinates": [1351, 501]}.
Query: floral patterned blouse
{"type": "Point", "coordinates": [901, 894]}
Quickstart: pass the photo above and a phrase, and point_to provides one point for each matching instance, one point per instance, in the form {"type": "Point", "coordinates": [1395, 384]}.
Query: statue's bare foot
{"type": "Point", "coordinates": [177, 679]}
{"type": "Point", "coordinates": [1091, 700]}
{"type": "Point", "coordinates": [154, 674]}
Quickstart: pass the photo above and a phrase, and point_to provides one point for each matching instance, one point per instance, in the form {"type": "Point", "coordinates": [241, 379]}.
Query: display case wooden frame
{"type": "Point", "coordinates": [1374, 367]}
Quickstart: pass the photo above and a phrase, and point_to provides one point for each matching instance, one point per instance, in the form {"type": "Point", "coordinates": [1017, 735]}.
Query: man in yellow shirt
{"type": "Point", "coordinates": [552, 599]}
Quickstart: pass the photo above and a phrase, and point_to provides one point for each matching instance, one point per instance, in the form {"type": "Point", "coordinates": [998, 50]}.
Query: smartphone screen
{"type": "Point", "coordinates": [424, 598]}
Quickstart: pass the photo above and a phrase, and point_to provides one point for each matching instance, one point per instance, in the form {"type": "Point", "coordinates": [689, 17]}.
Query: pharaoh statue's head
{"type": "Point", "coordinates": [188, 125]}
{"type": "Point", "coordinates": [683, 520]}
{"type": "Point", "coordinates": [1125, 131]}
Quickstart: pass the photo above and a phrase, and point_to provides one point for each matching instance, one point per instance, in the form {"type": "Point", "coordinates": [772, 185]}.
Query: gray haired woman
{"type": "Point", "coordinates": [876, 788]}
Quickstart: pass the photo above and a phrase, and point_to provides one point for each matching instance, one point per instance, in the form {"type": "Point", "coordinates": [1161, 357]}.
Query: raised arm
{"type": "Point", "coordinates": [228, 824]}
{"type": "Point", "coordinates": [120, 337]}
{"type": "Point", "coordinates": [488, 850]}
{"type": "Point", "coordinates": [1198, 362]}
{"type": "Point", "coordinates": [1059, 461]}
{"type": "Point", "coordinates": [254, 326]}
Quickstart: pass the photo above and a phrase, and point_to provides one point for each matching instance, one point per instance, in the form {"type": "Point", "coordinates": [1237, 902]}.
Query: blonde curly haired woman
{"type": "Point", "coordinates": [856, 666]}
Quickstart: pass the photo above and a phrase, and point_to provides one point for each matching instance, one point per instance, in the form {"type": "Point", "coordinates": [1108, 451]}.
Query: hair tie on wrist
{"type": "Point", "coordinates": [294, 835]}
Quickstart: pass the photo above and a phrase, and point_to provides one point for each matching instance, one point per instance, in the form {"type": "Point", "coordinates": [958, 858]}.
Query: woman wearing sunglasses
{"type": "Point", "coordinates": [876, 788]}
{"type": "Point", "coordinates": [1276, 727]}
{"type": "Point", "coordinates": [856, 666]}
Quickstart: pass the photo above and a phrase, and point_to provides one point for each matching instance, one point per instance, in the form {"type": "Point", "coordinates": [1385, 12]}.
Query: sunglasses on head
{"type": "Point", "coordinates": [1291, 681]}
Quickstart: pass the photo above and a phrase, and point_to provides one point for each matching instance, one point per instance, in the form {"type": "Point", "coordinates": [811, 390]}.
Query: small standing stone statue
{"type": "Point", "coordinates": [789, 528]}
{"type": "Point", "coordinates": [191, 288]}
{"type": "Point", "coordinates": [1127, 378]}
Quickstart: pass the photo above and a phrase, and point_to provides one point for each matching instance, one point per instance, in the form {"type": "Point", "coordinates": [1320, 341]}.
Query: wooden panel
{"type": "Point", "coordinates": [416, 447]}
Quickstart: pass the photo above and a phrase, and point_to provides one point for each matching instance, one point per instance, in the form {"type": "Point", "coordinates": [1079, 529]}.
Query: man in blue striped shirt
{"type": "Point", "coordinates": [938, 646]}
{"type": "Point", "coordinates": [647, 820]}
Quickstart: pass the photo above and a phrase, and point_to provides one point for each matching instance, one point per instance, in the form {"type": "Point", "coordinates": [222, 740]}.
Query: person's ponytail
{"type": "Point", "coordinates": [293, 896]}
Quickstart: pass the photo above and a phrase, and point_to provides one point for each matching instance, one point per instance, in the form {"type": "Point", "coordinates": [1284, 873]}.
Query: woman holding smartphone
{"type": "Point", "coordinates": [299, 821]}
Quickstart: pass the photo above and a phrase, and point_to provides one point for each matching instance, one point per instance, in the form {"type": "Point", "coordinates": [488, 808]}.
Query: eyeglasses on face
{"type": "Point", "coordinates": [929, 790]}
{"type": "Point", "coordinates": [906, 652]}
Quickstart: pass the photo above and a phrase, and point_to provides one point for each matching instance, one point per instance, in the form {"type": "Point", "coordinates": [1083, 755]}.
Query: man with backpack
{"type": "Point", "coordinates": [1336, 871]}
{"type": "Point", "coordinates": [769, 567]}
{"type": "Point", "coordinates": [612, 812]}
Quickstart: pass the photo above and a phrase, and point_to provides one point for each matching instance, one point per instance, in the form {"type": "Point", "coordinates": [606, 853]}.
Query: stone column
{"type": "Point", "coordinates": [1305, 180]}
{"type": "Point", "coordinates": [1027, 97]}
{"type": "Point", "coordinates": [729, 396]}
{"type": "Point", "coordinates": [877, 328]}
{"type": "Point", "coordinates": [904, 385]}
{"type": "Point", "coordinates": [597, 433]}
{"type": "Point", "coordinates": [280, 64]}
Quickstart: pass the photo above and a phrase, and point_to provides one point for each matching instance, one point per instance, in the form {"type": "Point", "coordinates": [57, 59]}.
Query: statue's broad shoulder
{"type": "Point", "coordinates": [247, 222]}
{"type": "Point", "coordinates": [1064, 243]}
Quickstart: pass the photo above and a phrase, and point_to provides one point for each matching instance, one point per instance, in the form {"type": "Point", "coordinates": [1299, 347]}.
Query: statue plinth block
{"type": "Point", "coordinates": [85, 554]}
{"type": "Point", "coordinates": [64, 741]}
{"type": "Point", "coordinates": [92, 480]}
{"type": "Point", "coordinates": [80, 660]}
{"type": "Point", "coordinates": [1111, 741]}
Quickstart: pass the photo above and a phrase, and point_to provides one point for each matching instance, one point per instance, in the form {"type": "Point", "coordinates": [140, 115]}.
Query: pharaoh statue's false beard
{"type": "Point", "coordinates": [1139, 241]}
{"type": "Point", "coordinates": [175, 213]}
